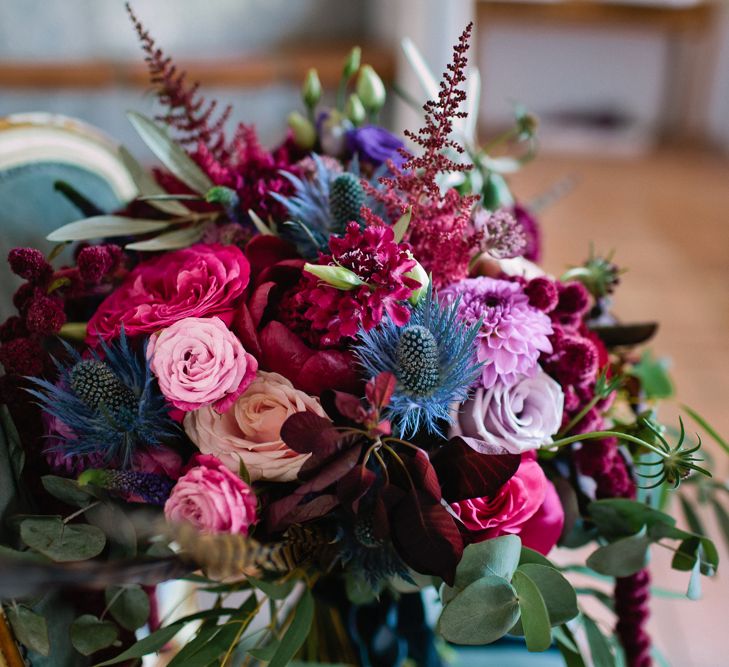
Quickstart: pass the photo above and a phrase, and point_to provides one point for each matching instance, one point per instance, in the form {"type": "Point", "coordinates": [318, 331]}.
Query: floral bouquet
{"type": "Point", "coordinates": [313, 382]}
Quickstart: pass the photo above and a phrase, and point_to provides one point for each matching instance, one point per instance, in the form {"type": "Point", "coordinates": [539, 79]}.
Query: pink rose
{"type": "Point", "coordinates": [250, 431]}
{"type": "Point", "coordinates": [212, 498]}
{"type": "Point", "coordinates": [202, 280]}
{"type": "Point", "coordinates": [527, 505]}
{"type": "Point", "coordinates": [199, 362]}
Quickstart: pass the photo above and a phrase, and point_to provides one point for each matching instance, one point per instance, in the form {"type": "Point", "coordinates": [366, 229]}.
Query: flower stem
{"type": "Point", "coordinates": [579, 416]}
{"type": "Point", "coordinates": [598, 435]}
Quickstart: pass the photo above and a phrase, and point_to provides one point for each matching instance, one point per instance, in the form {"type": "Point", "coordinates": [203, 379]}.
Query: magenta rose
{"type": "Point", "coordinates": [527, 505]}
{"type": "Point", "coordinates": [198, 361]}
{"type": "Point", "coordinates": [212, 498]}
{"type": "Point", "coordinates": [199, 281]}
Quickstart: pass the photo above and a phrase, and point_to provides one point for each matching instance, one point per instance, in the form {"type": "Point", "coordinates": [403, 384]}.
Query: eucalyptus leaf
{"type": "Point", "coordinates": [692, 518]}
{"type": "Point", "coordinates": [558, 594]}
{"type": "Point", "coordinates": [148, 187]}
{"type": "Point", "coordinates": [106, 226]}
{"type": "Point", "coordinates": [89, 634]}
{"type": "Point", "coordinates": [66, 490]}
{"type": "Point", "coordinates": [297, 632]}
{"type": "Point", "coordinates": [171, 154]}
{"type": "Point", "coordinates": [150, 644]}
{"type": "Point", "coordinates": [113, 521]}
{"type": "Point", "coordinates": [623, 557]}
{"type": "Point", "coordinates": [498, 557]}
{"type": "Point", "coordinates": [567, 646]}
{"type": "Point", "coordinates": [534, 614]}
{"type": "Point", "coordinates": [129, 605]}
{"type": "Point", "coordinates": [16, 453]}
{"type": "Point", "coordinates": [600, 650]}
{"type": "Point", "coordinates": [172, 240]}
{"type": "Point", "coordinates": [266, 652]}
{"type": "Point", "coordinates": [653, 376]}
{"type": "Point", "coordinates": [60, 542]}
{"type": "Point", "coordinates": [722, 518]}
{"type": "Point", "coordinates": [30, 629]}
{"type": "Point", "coordinates": [480, 614]}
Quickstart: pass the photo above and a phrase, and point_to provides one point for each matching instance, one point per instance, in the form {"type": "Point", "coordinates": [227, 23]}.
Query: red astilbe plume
{"type": "Point", "coordinates": [188, 112]}
{"type": "Point", "coordinates": [440, 231]}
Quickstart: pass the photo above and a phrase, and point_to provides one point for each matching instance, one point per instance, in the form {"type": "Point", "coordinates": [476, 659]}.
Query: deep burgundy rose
{"type": "Point", "coordinates": [276, 333]}
{"type": "Point", "coordinates": [375, 145]}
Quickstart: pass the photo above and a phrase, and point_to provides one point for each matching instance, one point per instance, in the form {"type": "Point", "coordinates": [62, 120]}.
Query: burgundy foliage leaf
{"type": "Point", "coordinates": [306, 432]}
{"type": "Point", "coordinates": [426, 536]}
{"type": "Point", "coordinates": [379, 390]}
{"type": "Point", "coordinates": [466, 473]}
{"type": "Point", "coordinates": [354, 485]}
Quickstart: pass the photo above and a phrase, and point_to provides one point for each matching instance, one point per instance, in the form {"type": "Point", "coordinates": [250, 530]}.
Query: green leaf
{"type": "Point", "coordinates": [274, 589]}
{"type": "Point", "coordinates": [480, 614]}
{"type": "Point", "coordinates": [266, 652]}
{"type": "Point", "coordinates": [534, 615]}
{"type": "Point", "coordinates": [243, 471]}
{"type": "Point", "coordinates": [498, 557]}
{"type": "Point", "coordinates": [558, 594]}
{"type": "Point", "coordinates": [297, 632]}
{"type": "Point", "coordinates": [150, 644]}
{"type": "Point", "coordinates": [89, 634]}
{"type": "Point", "coordinates": [623, 557]}
{"type": "Point", "coordinates": [722, 518]}
{"type": "Point", "coordinates": [567, 646]}
{"type": "Point", "coordinates": [606, 599]}
{"type": "Point", "coordinates": [653, 376]}
{"type": "Point", "coordinates": [129, 605]}
{"type": "Point", "coordinates": [210, 643]}
{"type": "Point", "coordinates": [62, 543]}
{"type": "Point", "coordinates": [67, 490]}
{"type": "Point", "coordinates": [148, 187]}
{"type": "Point", "coordinates": [707, 427]}
{"type": "Point", "coordinates": [106, 226]}
{"type": "Point", "coordinates": [172, 155]}
{"type": "Point", "coordinates": [692, 518]}
{"type": "Point", "coordinates": [600, 650]}
{"type": "Point", "coordinates": [530, 556]}
{"type": "Point", "coordinates": [400, 228]}
{"type": "Point", "coordinates": [177, 238]}
{"type": "Point", "coordinates": [16, 452]}
{"type": "Point", "coordinates": [30, 629]}
{"type": "Point", "coordinates": [496, 193]}
{"type": "Point", "coordinates": [620, 517]}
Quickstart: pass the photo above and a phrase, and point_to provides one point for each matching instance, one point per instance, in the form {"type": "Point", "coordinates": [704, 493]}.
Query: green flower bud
{"type": "Point", "coordinates": [418, 273]}
{"type": "Point", "coordinates": [370, 89]}
{"type": "Point", "coordinates": [355, 110]}
{"type": "Point", "coordinates": [336, 276]}
{"type": "Point", "coordinates": [303, 129]}
{"type": "Point", "coordinates": [220, 195]}
{"type": "Point", "coordinates": [351, 64]}
{"type": "Point", "coordinates": [311, 90]}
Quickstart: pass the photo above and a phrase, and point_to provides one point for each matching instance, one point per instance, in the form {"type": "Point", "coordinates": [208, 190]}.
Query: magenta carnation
{"type": "Point", "coordinates": [513, 333]}
{"type": "Point", "coordinates": [202, 280]}
{"type": "Point", "coordinates": [374, 256]}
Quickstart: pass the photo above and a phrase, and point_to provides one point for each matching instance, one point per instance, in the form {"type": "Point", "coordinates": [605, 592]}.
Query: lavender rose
{"type": "Point", "coordinates": [375, 145]}
{"type": "Point", "coordinates": [519, 417]}
{"type": "Point", "coordinates": [250, 431]}
{"type": "Point", "coordinates": [199, 362]}
{"type": "Point", "coordinates": [212, 498]}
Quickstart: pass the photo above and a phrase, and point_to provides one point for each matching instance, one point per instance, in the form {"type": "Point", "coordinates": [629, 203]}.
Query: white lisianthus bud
{"type": "Point", "coordinates": [336, 276]}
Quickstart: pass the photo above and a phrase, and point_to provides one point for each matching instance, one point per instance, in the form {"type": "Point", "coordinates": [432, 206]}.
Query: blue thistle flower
{"type": "Point", "coordinates": [433, 358]}
{"type": "Point", "coordinates": [150, 487]}
{"type": "Point", "coordinates": [111, 402]}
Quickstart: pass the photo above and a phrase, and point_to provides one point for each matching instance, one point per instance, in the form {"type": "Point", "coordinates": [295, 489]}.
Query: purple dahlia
{"type": "Point", "coordinates": [513, 333]}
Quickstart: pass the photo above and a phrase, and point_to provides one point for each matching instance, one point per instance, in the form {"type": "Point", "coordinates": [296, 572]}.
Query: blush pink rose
{"type": "Point", "coordinates": [250, 431]}
{"type": "Point", "coordinates": [198, 361]}
{"type": "Point", "coordinates": [527, 505]}
{"type": "Point", "coordinates": [202, 280]}
{"type": "Point", "coordinates": [212, 498]}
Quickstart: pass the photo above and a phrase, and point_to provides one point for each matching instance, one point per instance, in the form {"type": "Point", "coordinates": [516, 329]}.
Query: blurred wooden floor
{"type": "Point", "coordinates": [667, 215]}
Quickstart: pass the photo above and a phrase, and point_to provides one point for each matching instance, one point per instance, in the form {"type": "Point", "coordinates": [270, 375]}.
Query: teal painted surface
{"type": "Point", "coordinates": [30, 208]}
